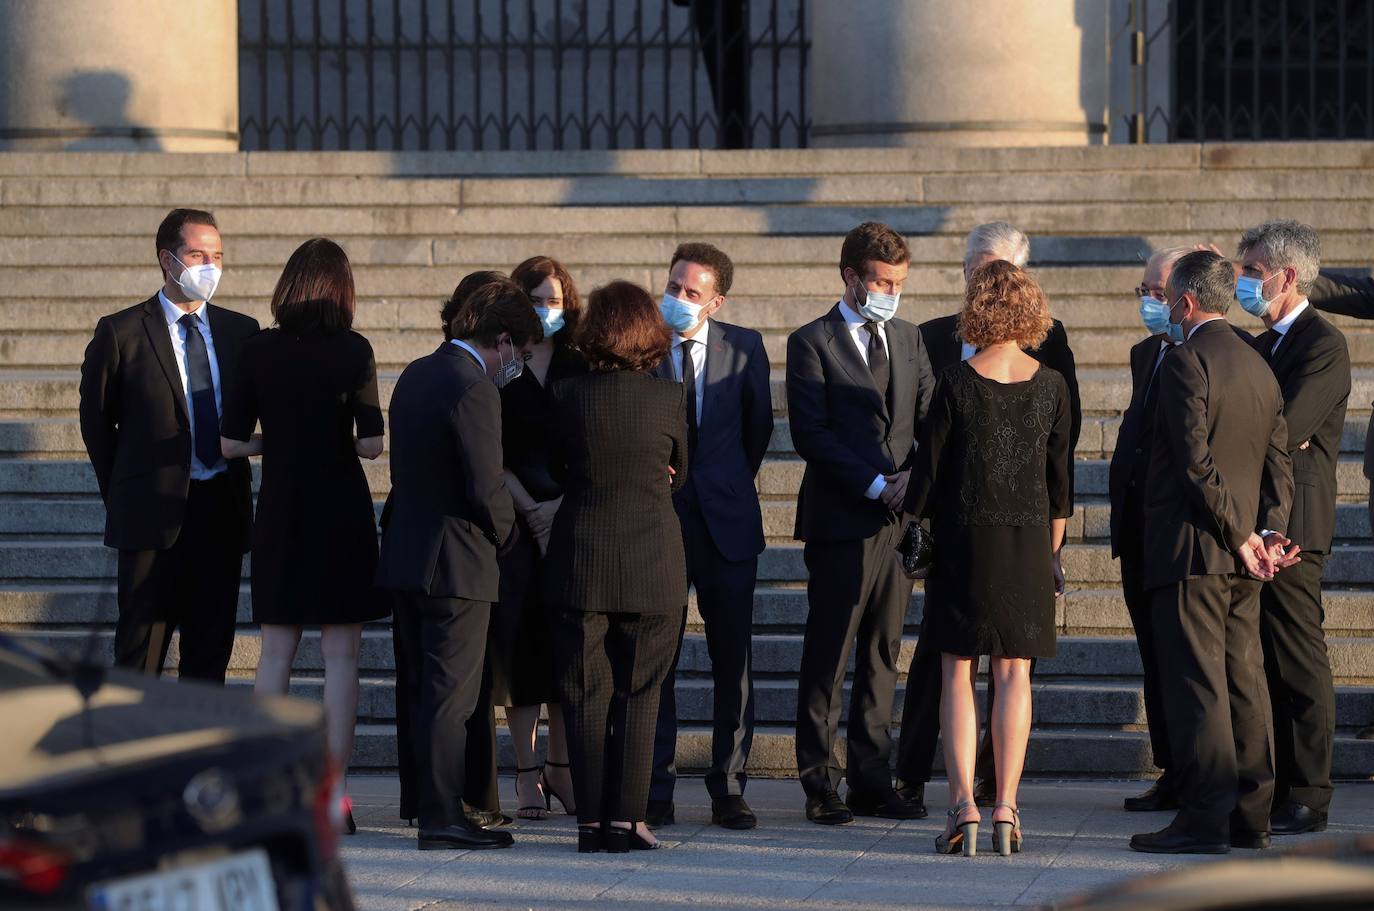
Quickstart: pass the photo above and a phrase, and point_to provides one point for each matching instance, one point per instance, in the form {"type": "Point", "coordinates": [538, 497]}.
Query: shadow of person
{"type": "Point", "coordinates": [99, 100]}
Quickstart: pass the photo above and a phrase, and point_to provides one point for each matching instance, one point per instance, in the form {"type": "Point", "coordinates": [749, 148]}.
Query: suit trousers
{"type": "Point", "coordinates": [1138, 601]}
{"type": "Point", "coordinates": [192, 586]}
{"type": "Point", "coordinates": [1301, 689]}
{"type": "Point", "coordinates": [1216, 703]}
{"type": "Point", "coordinates": [725, 599]}
{"type": "Point", "coordinates": [610, 671]}
{"type": "Point", "coordinates": [857, 599]}
{"type": "Point", "coordinates": [445, 638]}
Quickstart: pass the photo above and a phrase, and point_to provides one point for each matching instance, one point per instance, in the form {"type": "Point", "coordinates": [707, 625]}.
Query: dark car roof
{"type": "Point", "coordinates": [52, 732]}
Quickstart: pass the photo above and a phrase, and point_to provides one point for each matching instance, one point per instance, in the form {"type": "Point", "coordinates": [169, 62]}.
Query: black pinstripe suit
{"type": "Point", "coordinates": [616, 576]}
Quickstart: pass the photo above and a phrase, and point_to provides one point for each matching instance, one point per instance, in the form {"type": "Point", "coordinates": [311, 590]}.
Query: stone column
{"type": "Point", "coordinates": [122, 75]}
{"type": "Point", "coordinates": [975, 73]}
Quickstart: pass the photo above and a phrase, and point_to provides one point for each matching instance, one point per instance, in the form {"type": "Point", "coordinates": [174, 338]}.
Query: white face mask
{"type": "Point", "coordinates": [508, 371]}
{"type": "Point", "coordinates": [198, 282]}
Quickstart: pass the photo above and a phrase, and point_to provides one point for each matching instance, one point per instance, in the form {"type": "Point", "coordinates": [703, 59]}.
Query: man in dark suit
{"type": "Point", "coordinates": [152, 386]}
{"type": "Point", "coordinates": [1219, 470]}
{"type": "Point", "coordinates": [858, 386]}
{"type": "Point", "coordinates": [449, 513]}
{"type": "Point", "coordinates": [725, 371]}
{"type": "Point", "coordinates": [1279, 262]}
{"type": "Point", "coordinates": [986, 243]}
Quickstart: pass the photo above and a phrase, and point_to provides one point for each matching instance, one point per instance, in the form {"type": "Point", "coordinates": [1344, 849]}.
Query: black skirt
{"type": "Point", "coordinates": [519, 639]}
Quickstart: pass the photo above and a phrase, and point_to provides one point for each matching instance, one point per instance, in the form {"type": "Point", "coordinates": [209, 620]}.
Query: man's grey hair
{"type": "Point", "coordinates": [1210, 278]}
{"type": "Point", "coordinates": [1286, 244]}
{"type": "Point", "coordinates": [1001, 240]}
{"type": "Point", "coordinates": [1168, 256]}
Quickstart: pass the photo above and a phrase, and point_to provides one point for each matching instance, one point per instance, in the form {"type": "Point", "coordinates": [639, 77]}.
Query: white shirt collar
{"type": "Point", "coordinates": [173, 313]}
{"type": "Point", "coordinates": [1193, 331]}
{"type": "Point", "coordinates": [850, 315]}
{"type": "Point", "coordinates": [470, 350]}
{"type": "Point", "coordinates": [1283, 325]}
{"type": "Point", "coordinates": [702, 334]}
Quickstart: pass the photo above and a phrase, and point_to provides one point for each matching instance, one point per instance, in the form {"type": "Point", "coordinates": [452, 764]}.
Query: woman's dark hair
{"type": "Point", "coordinates": [470, 283]}
{"type": "Point", "coordinates": [531, 274]}
{"type": "Point", "coordinates": [315, 291]}
{"type": "Point", "coordinates": [622, 329]}
{"type": "Point", "coordinates": [495, 307]}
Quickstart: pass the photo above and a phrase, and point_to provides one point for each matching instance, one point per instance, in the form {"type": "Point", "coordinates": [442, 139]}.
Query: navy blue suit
{"type": "Point", "coordinates": [722, 533]}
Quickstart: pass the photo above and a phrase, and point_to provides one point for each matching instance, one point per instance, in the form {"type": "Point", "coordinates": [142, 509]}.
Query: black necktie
{"type": "Point", "coordinates": [202, 395]}
{"type": "Point", "coordinates": [1268, 339]}
{"type": "Point", "coordinates": [877, 358]}
{"type": "Point", "coordinates": [689, 389]}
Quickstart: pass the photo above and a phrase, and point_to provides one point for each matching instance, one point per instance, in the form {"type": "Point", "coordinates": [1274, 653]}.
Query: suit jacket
{"type": "Point", "coordinates": [1349, 295]}
{"type": "Point", "coordinates": [1219, 466]}
{"type": "Point", "coordinates": [1312, 366]}
{"type": "Point", "coordinates": [732, 439]}
{"type": "Point", "coordinates": [844, 427]}
{"type": "Point", "coordinates": [616, 544]}
{"type": "Point", "coordinates": [941, 337]}
{"type": "Point", "coordinates": [137, 429]}
{"type": "Point", "coordinates": [449, 510]}
{"type": "Point", "coordinates": [1134, 440]}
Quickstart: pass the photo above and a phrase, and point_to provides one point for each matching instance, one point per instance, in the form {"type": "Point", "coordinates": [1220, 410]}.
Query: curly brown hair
{"type": "Point", "coordinates": [622, 329]}
{"type": "Point", "coordinates": [1003, 304]}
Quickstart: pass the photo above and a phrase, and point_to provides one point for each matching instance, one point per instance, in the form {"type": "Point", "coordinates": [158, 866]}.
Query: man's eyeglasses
{"type": "Point", "coordinates": [1157, 293]}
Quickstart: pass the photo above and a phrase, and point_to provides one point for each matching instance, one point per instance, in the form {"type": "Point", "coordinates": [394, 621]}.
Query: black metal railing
{"type": "Point", "coordinates": [522, 74]}
{"type": "Point", "coordinates": [1254, 70]}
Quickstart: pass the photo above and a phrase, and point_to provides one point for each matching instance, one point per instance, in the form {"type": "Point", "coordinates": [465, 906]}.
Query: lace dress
{"type": "Point", "coordinates": [992, 470]}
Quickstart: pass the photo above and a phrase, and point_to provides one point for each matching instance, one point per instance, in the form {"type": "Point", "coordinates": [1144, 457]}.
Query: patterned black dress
{"type": "Point", "coordinates": [991, 472]}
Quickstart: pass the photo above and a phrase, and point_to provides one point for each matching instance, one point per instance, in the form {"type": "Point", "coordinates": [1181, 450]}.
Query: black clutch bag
{"type": "Point", "coordinates": [916, 551]}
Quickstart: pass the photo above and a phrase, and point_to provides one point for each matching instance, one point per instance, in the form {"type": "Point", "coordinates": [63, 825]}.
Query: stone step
{"type": "Point", "coordinates": [1083, 611]}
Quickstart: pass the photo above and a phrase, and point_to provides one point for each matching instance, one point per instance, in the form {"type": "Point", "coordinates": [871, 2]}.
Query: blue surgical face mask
{"type": "Point", "coordinates": [679, 314]}
{"type": "Point", "coordinates": [1174, 329]}
{"type": "Point", "coordinates": [1250, 293]}
{"type": "Point", "coordinates": [1155, 315]}
{"type": "Point", "coordinates": [551, 318]}
{"type": "Point", "coordinates": [876, 306]}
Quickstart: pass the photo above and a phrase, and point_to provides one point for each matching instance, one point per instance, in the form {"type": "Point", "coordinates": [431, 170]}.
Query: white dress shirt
{"type": "Point", "coordinates": [470, 350]}
{"type": "Point", "coordinates": [1283, 325]}
{"type": "Point", "coordinates": [698, 362]}
{"type": "Point", "coordinates": [855, 324]}
{"type": "Point", "coordinates": [177, 332]}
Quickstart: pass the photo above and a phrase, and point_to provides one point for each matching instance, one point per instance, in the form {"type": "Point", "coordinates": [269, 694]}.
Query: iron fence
{"type": "Point", "coordinates": [522, 74]}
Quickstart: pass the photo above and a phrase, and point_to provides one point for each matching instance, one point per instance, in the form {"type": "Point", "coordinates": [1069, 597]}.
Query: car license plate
{"type": "Point", "coordinates": [241, 882]}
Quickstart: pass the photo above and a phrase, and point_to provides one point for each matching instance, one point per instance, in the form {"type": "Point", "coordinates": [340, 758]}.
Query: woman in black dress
{"type": "Point", "coordinates": [519, 645]}
{"type": "Point", "coordinates": [615, 576]}
{"type": "Point", "coordinates": [993, 478]}
{"type": "Point", "coordinates": [311, 381]}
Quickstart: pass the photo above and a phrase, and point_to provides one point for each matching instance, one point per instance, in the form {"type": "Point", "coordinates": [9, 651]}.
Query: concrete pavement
{"type": "Point", "coordinates": [1076, 840]}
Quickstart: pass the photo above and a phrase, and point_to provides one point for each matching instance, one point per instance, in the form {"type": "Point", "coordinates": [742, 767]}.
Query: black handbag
{"type": "Point", "coordinates": [916, 551]}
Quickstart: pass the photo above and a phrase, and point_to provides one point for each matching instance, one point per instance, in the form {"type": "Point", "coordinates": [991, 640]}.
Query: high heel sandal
{"type": "Point", "coordinates": [535, 810]}
{"type": "Point", "coordinates": [550, 792]}
{"type": "Point", "coordinates": [589, 840]}
{"type": "Point", "coordinates": [965, 835]}
{"type": "Point", "coordinates": [621, 841]}
{"type": "Point", "coordinates": [1006, 836]}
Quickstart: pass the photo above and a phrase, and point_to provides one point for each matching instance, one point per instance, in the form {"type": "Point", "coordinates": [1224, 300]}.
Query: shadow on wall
{"type": "Point", "coordinates": [1093, 62]}
{"type": "Point", "coordinates": [99, 100]}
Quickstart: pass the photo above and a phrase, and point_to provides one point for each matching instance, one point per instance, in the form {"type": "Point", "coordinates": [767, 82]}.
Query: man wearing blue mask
{"type": "Point", "coordinates": [859, 385]}
{"type": "Point", "coordinates": [725, 371]}
{"type": "Point", "coordinates": [180, 515]}
{"type": "Point", "coordinates": [1309, 357]}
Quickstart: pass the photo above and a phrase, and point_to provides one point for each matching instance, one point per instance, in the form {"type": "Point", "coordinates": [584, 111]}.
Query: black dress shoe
{"type": "Point", "coordinates": [914, 792]}
{"type": "Point", "coordinates": [1294, 818]}
{"type": "Point", "coordinates": [732, 813]}
{"type": "Point", "coordinates": [985, 792]}
{"type": "Point", "coordinates": [1176, 841]}
{"type": "Point", "coordinates": [828, 810]}
{"type": "Point", "coordinates": [660, 813]}
{"type": "Point", "coordinates": [462, 836]}
{"type": "Point", "coordinates": [1250, 841]}
{"type": "Point", "coordinates": [1160, 796]}
{"type": "Point", "coordinates": [884, 804]}
{"type": "Point", "coordinates": [488, 819]}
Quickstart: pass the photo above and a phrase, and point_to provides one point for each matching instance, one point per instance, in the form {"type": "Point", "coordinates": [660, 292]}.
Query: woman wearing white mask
{"type": "Point", "coordinates": [519, 650]}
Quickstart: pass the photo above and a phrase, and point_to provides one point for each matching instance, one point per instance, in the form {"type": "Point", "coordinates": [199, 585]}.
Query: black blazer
{"type": "Point", "coordinates": [732, 440]}
{"type": "Point", "coordinates": [616, 545]}
{"type": "Point", "coordinates": [137, 430]}
{"type": "Point", "coordinates": [449, 509]}
{"type": "Point", "coordinates": [842, 425]}
{"type": "Point", "coordinates": [1134, 440]}
{"type": "Point", "coordinates": [1312, 366]}
{"type": "Point", "coordinates": [941, 337]}
{"type": "Point", "coordinates": [1349, 295]}
{"type": "Point", "coordinates": [1219, 466]}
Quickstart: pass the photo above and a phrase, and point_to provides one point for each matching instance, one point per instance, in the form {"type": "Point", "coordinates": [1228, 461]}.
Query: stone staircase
{"type": "Point", "coordinates": [76, 242]}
